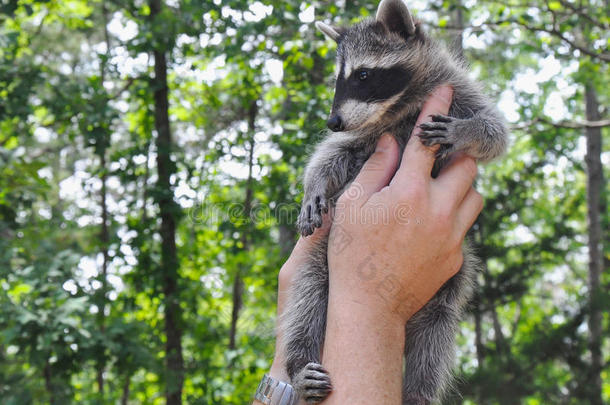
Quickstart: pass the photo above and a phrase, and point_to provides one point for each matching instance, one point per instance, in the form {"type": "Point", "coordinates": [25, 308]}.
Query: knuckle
{"type": "Point", "coordinates": [342, 201]}
{"type": "Point", "coordinates": [285, 276]}
{"type": "Point", "coordinates": [470, 167]}
{"type": "Point", "coordinates": [458, 262]}
{"type": "Point", "coordinates": [444, 215]}
{"type": "Point", "coordinates": [479, 202]}
{"type": "Point", "coordinates": [354, 192]}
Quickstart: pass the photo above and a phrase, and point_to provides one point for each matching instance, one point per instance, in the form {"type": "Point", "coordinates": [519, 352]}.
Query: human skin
{"type": "Point", "coordinates": [388, 269]}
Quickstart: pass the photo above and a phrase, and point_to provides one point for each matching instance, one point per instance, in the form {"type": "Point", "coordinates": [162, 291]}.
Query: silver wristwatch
{"type": "Point", "coordinates": [274, 392]}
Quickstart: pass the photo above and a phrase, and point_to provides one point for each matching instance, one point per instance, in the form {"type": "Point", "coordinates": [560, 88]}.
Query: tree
{"type": "Point", "coordinates": [168, 211]}
{"type": "Point", "coordinates": [150, 164]}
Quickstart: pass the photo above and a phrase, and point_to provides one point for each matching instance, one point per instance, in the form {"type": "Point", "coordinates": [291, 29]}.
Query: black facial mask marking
{"type": "Point", "coordinates": [379, 85]}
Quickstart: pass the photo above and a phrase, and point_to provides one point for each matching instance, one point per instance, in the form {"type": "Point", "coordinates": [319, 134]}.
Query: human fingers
{"type": "Point", "coordinates": [376, 172]}
{"type": "Point", "coordinates": [418, 159]}
{"type": "Point", "coordinates": [467, 212]}
{"type": "Point", "coordinates": [455, 180]}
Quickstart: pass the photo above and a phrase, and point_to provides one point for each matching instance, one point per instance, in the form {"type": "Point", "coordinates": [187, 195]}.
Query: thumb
{"type": "Point", "coordinates": [376, 173]}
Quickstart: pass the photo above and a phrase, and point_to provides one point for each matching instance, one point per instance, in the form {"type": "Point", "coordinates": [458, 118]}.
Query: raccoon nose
{"type": "Point", "coordinates": [335, 123]}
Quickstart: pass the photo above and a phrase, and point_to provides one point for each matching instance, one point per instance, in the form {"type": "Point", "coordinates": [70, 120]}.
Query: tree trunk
{"type": "Point", "coordinates": [145, 186]}
{"type": "Point", "coordinates": [238, 282]}
{"type": "Point", "coordinates": [457, 19]}
{"type": "Point", "coordinates": [104, 240]}
{"type": "Point", "coordinates": [237, 304]}
{"type": "Point", "coordinates": [49, 383]}
{"type": "Point", "coordinates": [595, 182]}
{"type": "Point", "coordinates": [479, 345]}
{"type": "Point", "coordinates": [501, 346]}
{"type": "Point", "coordinates": [164, 196]}
{"type": "Point", "coordinates": [478, 339]}
{"type": "Point", "coordinates": [125, 395]}
{"type": "Point", "coordinates": [104, 232]}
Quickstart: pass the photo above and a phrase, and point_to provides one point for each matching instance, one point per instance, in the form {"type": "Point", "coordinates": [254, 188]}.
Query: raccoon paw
{"type": "Point", "coordinates": [312, 383]}
{"type": "Point", "coordinates": [310, 217]}
{"type": "Point", "coordinates": [440, 131]}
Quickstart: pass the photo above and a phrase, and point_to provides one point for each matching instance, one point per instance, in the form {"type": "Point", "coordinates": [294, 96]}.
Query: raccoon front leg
{"type": "Point", "coordinates": [304, 328]}
{"type": "Point", "coordinates": [315, 204]}
{"type": "Point", "coordinates": [482, 136]}
{"type": "Point", "coordinates": [330, 168]}
{"type": "Point", "coordinates": [430, 338]}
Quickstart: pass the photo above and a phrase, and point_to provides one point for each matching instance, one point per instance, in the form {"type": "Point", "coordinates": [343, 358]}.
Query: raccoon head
{"type": "Point", "coordinates": [377, 60]}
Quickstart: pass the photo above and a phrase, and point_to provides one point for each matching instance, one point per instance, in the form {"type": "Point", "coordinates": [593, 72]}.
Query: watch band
{"type": "Point", "coordinates": [274, 392]}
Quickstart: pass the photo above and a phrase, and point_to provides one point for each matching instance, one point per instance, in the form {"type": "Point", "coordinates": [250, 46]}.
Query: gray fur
{"type": "Point", "coordinates": [387, 11]}
{"type": "Point", "coordinates": [473, 126]}
{"type": "Point", "coordinates": [331, 32]}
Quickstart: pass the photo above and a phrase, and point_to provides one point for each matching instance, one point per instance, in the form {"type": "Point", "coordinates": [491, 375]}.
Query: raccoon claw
{"type": "Point", "coordinates": [441, 118]}
{"type": "Point", "coordinates": [312, 383]}
{"type": "Point", "coordinates": [310, 217]}
{"type": "Point", "coordinates": [439, 131]}
{"type": "Point", "coordinates": [433, 139]}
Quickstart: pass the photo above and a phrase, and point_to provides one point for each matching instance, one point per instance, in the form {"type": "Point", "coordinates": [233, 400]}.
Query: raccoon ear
{"type": "Point", "coordinates": [395, 15]}
{"type": "Point", "coordinates": [331, 32]}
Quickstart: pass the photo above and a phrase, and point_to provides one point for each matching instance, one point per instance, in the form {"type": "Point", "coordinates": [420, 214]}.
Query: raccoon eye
{"type": "Point", "coordinates": [363, 75]}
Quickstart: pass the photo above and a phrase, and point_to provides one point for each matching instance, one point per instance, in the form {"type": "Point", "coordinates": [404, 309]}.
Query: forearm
{"type": "Point", "coordinates": [363, 353]}
{"type": "Point", "coordinates": [364, 358]}
{"type": "Point", "coordinates": [285, 280]}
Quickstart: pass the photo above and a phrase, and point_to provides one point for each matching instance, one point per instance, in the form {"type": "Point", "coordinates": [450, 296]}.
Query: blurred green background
{"type": "Point", "coordinates": [150, 157]}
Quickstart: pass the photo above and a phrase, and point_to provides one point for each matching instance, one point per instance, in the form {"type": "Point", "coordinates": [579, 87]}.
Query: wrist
{"type": "Point", "coordinates": [273, 391]}
{"type": "Point", "coordinates": [278, 370]}
{"type": "Point", "coordinates": [367, 315]}
{"type": "Point", "coordinates": [383, 299]}
{"type": "Point", "coordinates": [358, 339]}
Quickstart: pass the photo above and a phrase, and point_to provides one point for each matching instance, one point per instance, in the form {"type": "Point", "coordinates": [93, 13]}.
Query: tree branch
{"type": "Point", "coordinates": [582, 13]}
{"type": "Point", "coordinates": [604, 56]}
{"type": "Point", "coordinates": [126, 86]}
{"type": "Point", "coordinates": [564, 124]}
{"type": "Point", "coordinates": [38, 28]}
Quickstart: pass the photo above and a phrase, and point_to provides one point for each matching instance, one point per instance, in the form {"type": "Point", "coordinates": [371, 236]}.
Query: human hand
{"type": "Point", "coordinates": [396, 236]}
{"type": "Point", "coordinates": [395, 239]}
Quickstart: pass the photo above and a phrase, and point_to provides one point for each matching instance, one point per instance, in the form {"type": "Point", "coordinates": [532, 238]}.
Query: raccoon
{"type": "Point", "coordinates": [386, 68]}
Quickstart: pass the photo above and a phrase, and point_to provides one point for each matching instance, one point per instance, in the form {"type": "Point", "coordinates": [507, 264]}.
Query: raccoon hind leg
{"type": "Point", "coordinates": [429, 353]}
{"type": "Point", "coordinates": [430, 337]}
{"type": "Point", "coordinates": [305, 326]}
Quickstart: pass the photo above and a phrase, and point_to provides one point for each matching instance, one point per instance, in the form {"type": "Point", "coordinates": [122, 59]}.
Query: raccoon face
{"type": "Point", "coordinates": [364, 92]}
{"type": "Point", "coordinates": [372, 66]}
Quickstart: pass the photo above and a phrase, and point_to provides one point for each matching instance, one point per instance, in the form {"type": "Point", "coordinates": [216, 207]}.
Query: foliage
{"type": "Point", "coordinates": [82, 298]}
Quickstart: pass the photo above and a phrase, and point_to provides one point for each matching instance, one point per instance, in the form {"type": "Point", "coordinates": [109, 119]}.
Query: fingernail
{"type": "Point", "coordinates": [444, 93]}
{"type": "Point", "coordinates": [384, 143]}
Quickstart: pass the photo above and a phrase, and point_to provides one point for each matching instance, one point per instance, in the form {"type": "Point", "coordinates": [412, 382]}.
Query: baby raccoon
{"type": "Point", "coordinates": [386, 68]}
